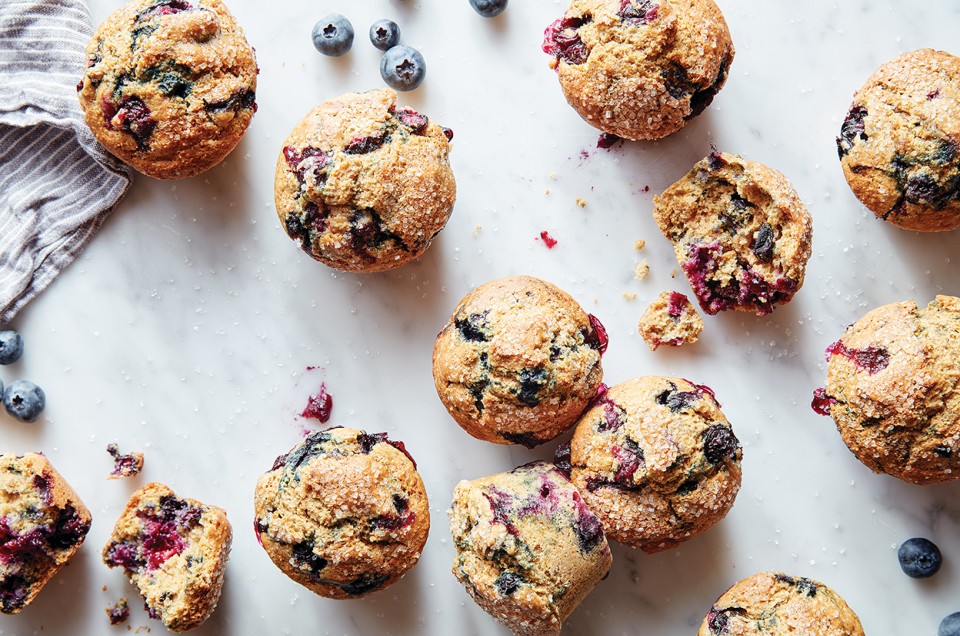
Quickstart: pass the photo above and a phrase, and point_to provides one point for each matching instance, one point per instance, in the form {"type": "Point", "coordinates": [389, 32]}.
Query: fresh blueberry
{"type": "Point", "coordinates": [919, 558]}
{"type": "Point", "coordinates": [384, 34]}
{"type": "Point", "coordinates": [403, 68]}
{"type": "Point", "coordinates": [950, 625]}
{"type": "Point", "coordinates": [333, 35]}
{"type": "Point", "coordinates": [11, 346]}
{"type": "Point", "coordinates": [24, 400]}
{"type": "Point", "coordinates": [489, 8]}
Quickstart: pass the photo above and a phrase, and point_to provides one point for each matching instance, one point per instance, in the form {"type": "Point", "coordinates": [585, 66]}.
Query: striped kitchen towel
{"type": "Point", "coordinates": [57, 184]}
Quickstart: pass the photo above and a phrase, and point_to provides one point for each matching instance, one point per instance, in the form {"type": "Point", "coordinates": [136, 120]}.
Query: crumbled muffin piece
{"type": "Point", "coordinates": [670, 320]}
{"type": "Point", "coordinates": [118, 613]}
{"type": "Point", "coordinates": [127, 465]}
{"type": "Point", "coordinates": [175, 552]}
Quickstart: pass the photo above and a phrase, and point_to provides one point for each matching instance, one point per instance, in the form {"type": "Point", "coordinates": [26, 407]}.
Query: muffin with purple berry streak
{"type": "Point", "coordinates": [892, 390]}
{"type": "Point", "coordinates": [518, 361]}
{"type": "Point", "coordinates": [170, 85]}
{"type": "Point", "coordinates": [739, 231]}
{"type": "Point", "coordinates": [640, 69]}
{"type": "Point", "coordinates": [174, 550]}
{"type": "Point", "coordinates": [42, 525]}
{"type": "Point", "coordinates": [344, 513]}
{"type": "Point", "coordinates": [528, 548]}
{"type": "Point", "coordinates": [899, 144]}
{"type": "Point", "coordinates": [657, 461]}
{"type": "Point", "coordinates": [363, 185]}
{"type": "Point", "coordinates": [776, 604]}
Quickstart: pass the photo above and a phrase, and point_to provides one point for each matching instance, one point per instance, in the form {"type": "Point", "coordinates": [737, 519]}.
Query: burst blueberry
{"type": "Point", "coordinates": [24, 400]}
{"type": "Point", "coordinates": [333, 35]}
{"type": "Point", "coordinates": [11, 346]}
{"type": "Point", "coordinates": [489, 8]}
{"type": "Point", "coordinates": [403, 68]}
{"type": "Point", "coordinates": [384, 34]}
{"type": "Point", "coordinates": [919, 558]}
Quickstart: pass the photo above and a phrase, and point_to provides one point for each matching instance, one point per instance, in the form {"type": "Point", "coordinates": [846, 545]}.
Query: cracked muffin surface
{"type": "Point", "coordinates": [170, 85]}
{"type": "Point", "coordinates": [518, 361]}
{"type": "Point", "coordinates": [899, 144]}
{"type": "Point", "coordinates": [640, 69]}
{"type": "Point", "coordinates": [656, 461]}
{"type": "Point", "coordinates": [777, 604]}
{"type": "Point", "coordinates": [344, 513]}
{"type": "Point", "coordinates": [893, 390]}
{"type": "Point", "coordinates": [364, 185]}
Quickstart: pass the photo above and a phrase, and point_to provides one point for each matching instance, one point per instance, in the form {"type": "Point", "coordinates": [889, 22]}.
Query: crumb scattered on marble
{"type": "Point", "coordinates": [629, 295]}
{"type": "Point", "coordinates": [127, 465]}
{"type": "Point", "coordinates": [581, 202]}
{"type": "Point", "coordinates": [553, 176]}
{"type": "Point", "coordinates": [641, 270]}
{"type": "Point", "coordinates": [476, 229]}
{"type": "Point", "coordinates": [639, 245]}
{"type": "Point", "coordinates": [673, 274]}
{"type": "Point", "coordinates": [118, 613]}
{"type": "Point", "coordinates": [547, 191]}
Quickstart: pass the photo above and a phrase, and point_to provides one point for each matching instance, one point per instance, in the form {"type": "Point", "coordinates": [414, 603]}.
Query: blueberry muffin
{"type": "Point", "coordinates": [892, 390]}
{"type": "Point", "coordinates": [670, 320]}
{"type": "Point", "coordinates": [518, 362]}
{"type": "Point", "coordinates": [900, 142]}
{"type": "Point", "coordinates": [365, 186]}
{"type": "Point", "coordinates": [775, 604]}
{"type": "Point", "coordinates": [657, 461]}
{"type": "Point", "coordinates": [640, 69]}
{"type": "Point", "coordinates": [740, 232]}
{"type": "Point", "coordinates": [42, 524]}
{"type": "Point", "coordinates": [344, 513]}
{"type": "Point", "coordinates": [528, 549]}
{"type": "Point", "coordinates": [170, 85]}
{"type": "Point", "coordinates": [174, 551]}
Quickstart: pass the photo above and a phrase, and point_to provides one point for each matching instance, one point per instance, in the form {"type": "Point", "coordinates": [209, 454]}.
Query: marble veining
{"type": "Point", "coordinates": [187, 327]}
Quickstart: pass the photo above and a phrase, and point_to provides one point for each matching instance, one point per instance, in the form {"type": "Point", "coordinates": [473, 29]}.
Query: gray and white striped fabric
{"type": "Point", "coordinates": [57, 184]}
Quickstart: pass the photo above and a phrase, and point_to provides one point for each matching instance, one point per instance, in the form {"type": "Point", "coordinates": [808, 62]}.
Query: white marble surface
{"type": "Point", "coordinates": [186, 328]}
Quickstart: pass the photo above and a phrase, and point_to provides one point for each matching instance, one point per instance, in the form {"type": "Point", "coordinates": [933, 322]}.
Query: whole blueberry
{"type": "Point", "coordinates": [950, 625]}
{"type": "Point", "coordinates": [24, 400]}
{"type": "Point", "coordinates": [488, 8]}
{"type": "Point", "coordinates": [919, 558]}
{"type": "Point", "coordinates": [384, 34]}
{"type": "Point", "coordinates": [402, 68]}
{"type": "Point", "coordinates": [11, 346]}
{"type": "Point", "coordinates": [333, 35]}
